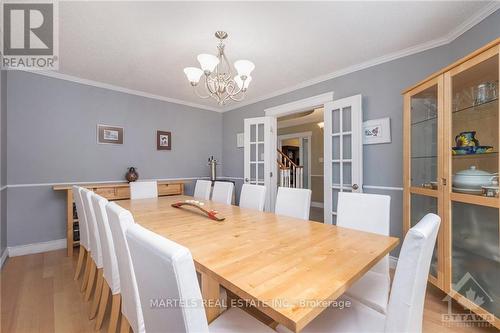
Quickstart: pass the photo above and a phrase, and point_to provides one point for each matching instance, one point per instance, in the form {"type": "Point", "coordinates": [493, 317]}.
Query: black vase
{"type": "Point", "coordinates": [132, 175]}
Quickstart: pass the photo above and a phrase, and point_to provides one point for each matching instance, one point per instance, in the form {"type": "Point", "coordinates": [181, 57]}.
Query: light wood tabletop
{"type": "Point", "coordinates": [286, 267]}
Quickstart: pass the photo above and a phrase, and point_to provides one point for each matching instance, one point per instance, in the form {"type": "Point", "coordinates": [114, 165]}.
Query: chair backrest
{"type": "Point", "coordinates": [253, 196]}
{"type": "Point", "coordinates": [119, 221]}
{"type": "Point", "coordinates": [202, 189]}
{"type": "Point", "coordinates": [293, 202]}
{"type": "Point", "coordinates": [165, 272]}
{"type": "Point", "coordinates": [223, 192]}
{"type": "Point", "coordinates": [366, 212]}
{"type": "Point", "coordinates": [110, 265]}
{"type": "Point", "coordinates": [82, 218]}
{"type": "Point", "coordinates": [95, 241]}
{"type": "Point", "coordinates": [406, 303]}
{"type": "Point", "coordinates": [143, 190]}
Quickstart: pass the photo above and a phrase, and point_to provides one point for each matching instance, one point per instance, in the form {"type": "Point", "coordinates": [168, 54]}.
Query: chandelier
{"type": "Point", "coordinates": [218, 77]}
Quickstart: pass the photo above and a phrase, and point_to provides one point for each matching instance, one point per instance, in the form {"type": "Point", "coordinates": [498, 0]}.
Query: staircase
{"type": "Point", "coordinates": [291, 174]}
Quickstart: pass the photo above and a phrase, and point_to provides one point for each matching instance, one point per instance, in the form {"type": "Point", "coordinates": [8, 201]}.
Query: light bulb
{"type": "Point", "coordinates": [239, 82]}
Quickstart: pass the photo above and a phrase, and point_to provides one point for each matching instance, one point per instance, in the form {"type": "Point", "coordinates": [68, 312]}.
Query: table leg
{"type": "Point", "coordinates": [210, 290]}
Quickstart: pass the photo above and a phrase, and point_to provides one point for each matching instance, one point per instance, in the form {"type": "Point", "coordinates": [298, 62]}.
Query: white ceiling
{"type": "Point", "coordinates": [144, 46]}
{"type": "Point", "coordinates": [315, 116]}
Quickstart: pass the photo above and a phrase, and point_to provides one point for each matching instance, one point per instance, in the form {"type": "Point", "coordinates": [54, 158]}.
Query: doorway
{"type": "Point", "coordinates": [300, 138]}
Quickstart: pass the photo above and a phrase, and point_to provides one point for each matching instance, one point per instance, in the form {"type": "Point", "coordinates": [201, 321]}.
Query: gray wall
{"type": "Point", "coordinates": [381, 87]}
{"type": "Point", "coordinates": [52, 139]}
{"type": "Point", "coordinates": [3, 161]}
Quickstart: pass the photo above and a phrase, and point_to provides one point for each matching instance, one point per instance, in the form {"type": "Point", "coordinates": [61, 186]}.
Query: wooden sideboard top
{"type": "Point", "coordinates": [117, 184]}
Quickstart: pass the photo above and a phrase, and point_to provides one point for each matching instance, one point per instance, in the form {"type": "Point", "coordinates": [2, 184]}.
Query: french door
{"type": "Point", "coordinates": [343, 155]}
{"type": "Point", "coordinates": [260, 156]}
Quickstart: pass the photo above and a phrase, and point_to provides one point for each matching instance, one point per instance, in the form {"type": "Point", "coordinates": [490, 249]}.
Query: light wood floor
{"type": "Point", "coordinates": [38, 294]}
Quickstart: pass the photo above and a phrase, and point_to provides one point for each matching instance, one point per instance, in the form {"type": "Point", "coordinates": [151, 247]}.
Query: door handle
{"type": "Point", "coordinates": [355, 186]}
{"type": "Point", "coordinates": [246, 180]}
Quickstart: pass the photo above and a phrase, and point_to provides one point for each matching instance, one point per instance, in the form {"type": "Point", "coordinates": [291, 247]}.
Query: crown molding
{"type": "Point", "coordinates": [447, 39]}
{"type": "Point", "coordinates": [98, 84]}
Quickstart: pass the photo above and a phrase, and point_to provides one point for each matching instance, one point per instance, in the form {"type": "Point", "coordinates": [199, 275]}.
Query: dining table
{"type": "Point", "coordinates": [288, 269]}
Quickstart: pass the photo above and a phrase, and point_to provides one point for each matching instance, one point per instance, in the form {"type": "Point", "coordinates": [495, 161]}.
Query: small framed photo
{"type": "Point", "coordinates": [377, 131]}
{"type": "Point", "coordinates": [163, 140]}
{"type": "Point", "coordinates": [109, 134]}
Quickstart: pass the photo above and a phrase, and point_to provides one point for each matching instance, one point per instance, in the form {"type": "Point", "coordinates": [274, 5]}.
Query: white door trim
{"type": "Point", "coordinates": [300, 105]}
{"type": "Point", "coordinates": [297, 106]}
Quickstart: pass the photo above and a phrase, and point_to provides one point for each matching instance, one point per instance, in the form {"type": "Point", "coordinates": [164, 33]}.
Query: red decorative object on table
{"type": "Point", "coordinates": [211, 214]}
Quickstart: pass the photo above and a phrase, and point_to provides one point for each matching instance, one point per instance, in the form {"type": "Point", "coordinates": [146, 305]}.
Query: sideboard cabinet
{"type": "Point", "coordinates": [451, 164]}
{"type": "Point", "coordinates": [110, 191]}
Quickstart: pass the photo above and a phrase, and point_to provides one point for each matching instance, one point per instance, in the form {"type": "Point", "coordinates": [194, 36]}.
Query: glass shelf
{"type": "Point", "coordinates": [417, 157]}
{"type": "Point", "coordinates": [424, 120]}
{"type": "Point", "coordinates": [478, 106]}
{"type": "Point", "coordinates": [474, 156]}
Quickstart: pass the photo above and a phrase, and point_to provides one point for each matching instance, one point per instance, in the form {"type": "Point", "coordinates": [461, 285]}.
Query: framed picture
{"type": "Point", "coordinates": [163, 140]}
{"type": "Point", "coordinates": [377, 131]}
{"type": "Point", "coordinates": [240, 140]}
{"type": "Point", "coordinates": [109, 134]}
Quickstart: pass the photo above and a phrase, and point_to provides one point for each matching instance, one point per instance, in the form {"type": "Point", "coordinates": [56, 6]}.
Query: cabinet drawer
{"type": "Point", "coordinates": [106, 192]}
{"type": "Point", "coordinates": [122, 193]}
{"type": "Point", "coordinates": [169, 189]}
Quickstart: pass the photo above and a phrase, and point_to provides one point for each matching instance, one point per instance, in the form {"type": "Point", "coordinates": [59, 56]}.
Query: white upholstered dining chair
{"type": "Point", "coordinates": [95, 277]}
{"type": "Point", "coordinates": [202, 189]}
{"type": "Point", "coordinates": [119, 221]}
{"type": "Point", "coordinates": [164, 270]}
{"type": "Point", "coordinates": [253, 196]}
{"type": "Point", "coordinates": [143, 190]}
{"type": "Point", "coordinates": [223, 192]}
{"type": "Point", "coordinates": [293, 202]}
{"type": "Point", "coordinates": [371, 213]}
{"type": "Point", "coordinates": [406, 303]}
{"type": "Point", "coordinates": [84, 252]}
{"type": "Point", "coordinates": [111, 283]}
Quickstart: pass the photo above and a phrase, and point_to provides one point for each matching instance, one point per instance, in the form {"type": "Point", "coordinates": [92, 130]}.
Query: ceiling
{"type": "Point", "coordinates": [142, 47]}
{"type": "Point", "coordinates": [307, 117]}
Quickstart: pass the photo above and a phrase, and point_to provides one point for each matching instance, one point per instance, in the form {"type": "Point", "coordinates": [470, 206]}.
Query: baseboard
{"type": "Point", "coordinates": [22, 250]}
{"type": "Point", "coordinates": [317, 204]}
{"type": "Point", "coordinates": [3, 257]}
{"type": "Point", "coordinates": [393, 262]}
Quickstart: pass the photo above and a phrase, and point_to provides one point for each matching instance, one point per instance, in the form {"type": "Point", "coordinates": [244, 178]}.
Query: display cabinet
{"type": "Point", "coordinates": [451, 165]}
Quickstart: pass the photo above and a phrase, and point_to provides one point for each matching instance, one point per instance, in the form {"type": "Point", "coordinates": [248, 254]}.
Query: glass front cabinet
{"type": "Point", "coordinates": [451, 164]}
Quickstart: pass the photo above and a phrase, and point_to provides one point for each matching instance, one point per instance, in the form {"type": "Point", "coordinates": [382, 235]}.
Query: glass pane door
{"type": "Point", "coordinates": [474, 147]}
{"type": "Point", "coordinates": [341, 155]}
{"type": "Point", "coordinates": [424, 139]}
{"type": "Point", "coordinates": [474, 128]}
{"type": "Point", "coordinates": [256, 154]}
{"type": "Point", "coordinates": [343, 151]}
{"type": "Point", "coordinates": [425, 160]}
{"type": "Point", "coordinates": [475, 255]}
{"type": "Point", "coordinates": [421, 205]}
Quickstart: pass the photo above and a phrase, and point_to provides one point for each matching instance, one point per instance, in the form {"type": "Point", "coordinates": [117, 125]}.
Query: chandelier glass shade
{"type": "Point", "coordinates": [217, 75]}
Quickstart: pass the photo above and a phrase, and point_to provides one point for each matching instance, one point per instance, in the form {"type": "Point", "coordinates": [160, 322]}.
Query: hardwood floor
{"type": "Point", "coordinates": [38, 294]}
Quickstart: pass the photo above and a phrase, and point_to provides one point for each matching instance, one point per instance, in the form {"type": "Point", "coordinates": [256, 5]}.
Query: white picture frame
{"type": "Point", "coordinates": [377, 131]}
{"type": "Point", "coordinates": [240, 140]}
